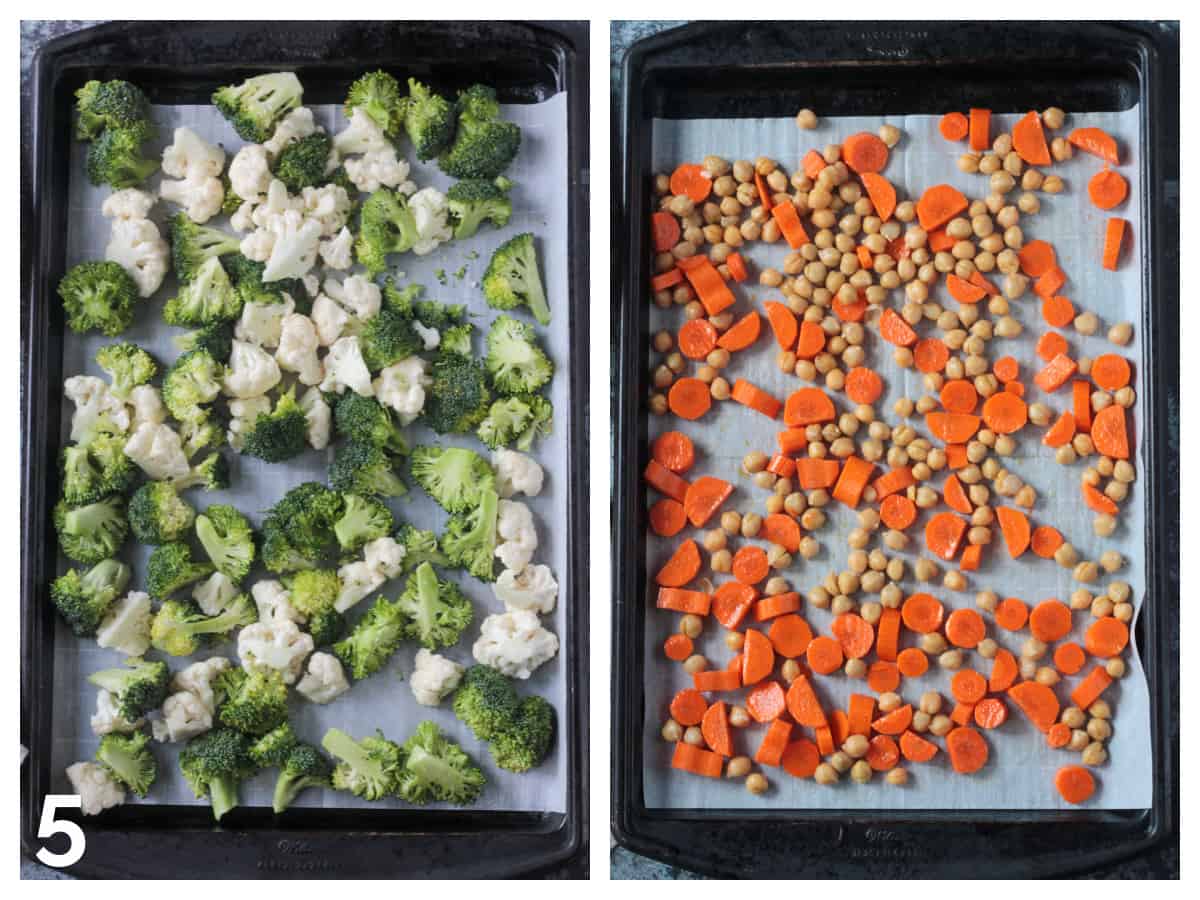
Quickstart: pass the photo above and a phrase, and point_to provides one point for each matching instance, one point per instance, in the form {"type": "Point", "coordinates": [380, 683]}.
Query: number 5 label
{"type": "Point", "coordinates": [50, 826]}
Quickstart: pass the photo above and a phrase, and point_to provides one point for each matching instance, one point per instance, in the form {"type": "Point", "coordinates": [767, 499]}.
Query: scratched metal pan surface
{"type": "Point", "coordinates": [761, 70]}
{"type": "Point", "coordinates": [181, 63]}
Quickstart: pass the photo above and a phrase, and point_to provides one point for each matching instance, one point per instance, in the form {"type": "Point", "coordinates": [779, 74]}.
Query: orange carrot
{"type": "Point", "coordinates": [742, 333]}
{"type": "Point", "coordinates": [750, 564]}
{"type": "Point", "coordinates": [812, 163]}
{"type": "Point", "coordinates": [824, 736]}
{"type": "Point", "coordinates": [1089, 690]}
{"type": "Point", "coordinates": [944, 535]}
{"type": "Point", "coordinates": [887, 635]}
{"type": "Point", "coordinates": [912, 662]}
{"type": "Point", "coordinates": [963, 713]}
{"type": "Point", "coordinates": [938, 205]}
{"type": "Point", "coordinates": [882, 753]}
{"type": "Point", "coordinates": [689, 398]}
{"type": "Point", "coordinates": [1096, 142]}
{"type": "Point", "coordinates": [688, 707]}
{"type": "Point", "coordinates": [1055, 373]}
{"type": "Point", "coordinates": [674, 450]}
{"type": "Point", "coordinates": [1045, 540]}
{"type": "Point", "coordinates": [790, 636]}
{"type": "Point", "coordinates": [808, 406]}
{"type": "Point", "coordinates": [1074, 784]}
{"type": "Point", "coordinates": [1050, 345]}
{"type": "Point", "coordinates": [894, 330]}
{"type": "Point", "coordinates": [916, 749]}
{"type": "Point", "coordinates": [697, 760]}
{"type": "Point", "coordinates": [864, 152]}
{"type": "Point", "coordinates": [737, 267]}
{"type": "Point", "coordinates": [1069, 658]}
{"type": "Point", "coordinates": [803, 704]}
{"type": "Point", "coordinates": [956, 497]}
{"type": "Point", "coordinates": [862, 711]}
{"type": "Point", "coordinates": [894, 481]}
{"type": "Point", "coordinates": [1058, 311]}
{"type": "Point", "coordinates": [1029, 140]}
{"type": "Point", "coordinates": [710, 287]}
{"type": "Point", "coordinates": [714, 727]}
{"type": "Point", "coordinates": [922, 613]}
{"type": "Point", "coordinates": [959, 396]}
{"type": "Point", "coordinates": [704, 497]}
{"type": "Point", "coordinates": [1114, 234]}
{"type": "Point", "coordinates": [783, 324]}
{"type": "Point", "coordinates": [665, 228]}
{"type": "Point", "coordinates": [850, 312]}
{"type": "Point", "coordinates": [792, 441]}
{"type": "Point", "coordinates": [754, 397]}
{"type": "Point", "coordinates": [691, 180]}
{"type": "Point", "coordinates": [1015, 388]}
{"type": "Point", "coordinates": [883, 676]}
{"type": "Point", "coordinates": [1006, 369]}
{"type": "Point", "coordinates": [667, 517]}
{"type": "Point", "coordinates": [758, 657]}
{"type": "Point", "coordinates": [688, 263]}
{"type": "Point", "coordinates": [764, 195]}
{"type": "Point", "coordinates": [1004, 671]}
{"type": "Point", "coordinates": [962, 290]}
{"type": "Point", "coordinates": [939, 240]}
{"type": "Point", "coordinates": [774, 743]}
{"type": "Point", "coordinates": [1059, 735]}
{"type": "Point", "coordinates": [930, 355]}
{"type": "Point", "coordinates": [730, 603]}
{"type": "Point", "coordinates": [972, 556]}
{"type": "Point", "coordinates": [765, 701]}
{"type": "Point", "coordinates": [714, 680]}
{"type": "Point", "coordinates": [980, 281]}
{"type": "Point", "coordinates": [678, 647]}
{"type": "Point", "coordinates": [1106, 637]}
{"type": "Point", "coordinates": [783, 466]}
{"type": "Point", "coordinates": [1107, 189]}
{"type": "Point", "coordinates": [1081, 402]}
{"type": "Point", "coordinates": [895, 722]}
{"type": "Point", "coordinates": [824, 655]}
{"type": "Point", "coordinates": [1061, 431]}
{"type": "Point", "coordinates": [854, 633]}
{"type": "Point", "coordinates": [852, 481]}
{"type": "Point", "coordinates": [953, 126]}
{"type": "Point", "coordinates": [968, 686]}
{"type": "Point", "coordinates": [1014, 524]}
{"type": "Point", "coordinates": [697, 338]}
{"type": "Point", "coordinates": [790, 226]}
{"type": "Point", "coordinates": [781, 529]}
{"type": "Point", "coordinates": [679, 600]}
{"type": "Point", "coordinates": [952, 428]}
{"type": "Point", "coordinates": [882, 194]}
{"type": "Point", "coordinates": [965, 628]}
{"type": "Point", "coordinates": [990, 712]}
{"type": "Point", "coordinates": [682, 567]}
{"type": "Point", "coordinates": [811, 340]}
{"type": "Point", "coordinates": [865, 260]}
{"type": "Point", "coordinates": [1049, 283]}
{"type": "Point", "coordinates": [776, 605]}
{"type": "Point", "coordinates": [801, 758]}
{"type": "Point", "coordinates": [1096, 501]}
{"type": "Point", "coordinates": [981, 124]}
{"type": "Point", "coordinates": [1012, 614]}
{"type": "Point", "coordinates": [967, 749]}
{"type": "Point", "coordinates": [1110, 371]}
{"type": "Point", "coordinates": [1037, 702]}
{"type": "Point", "coordinates": [667, 279]}
{"type": "Point", "coordinates": [863, 385]}
{"type": "Point", "coordinates": [814, 474]}
{"type": "Point", "coordinates": [1037, 258]}
{"type": "Point", "coordinates": [665, 481]}
{"type": "Point", "coordinates": [897, 512]}
{"type": "Point", "coordinates": [1108, 432]}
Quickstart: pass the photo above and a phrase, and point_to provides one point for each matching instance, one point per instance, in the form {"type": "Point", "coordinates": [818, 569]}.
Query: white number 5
{"type": "Point", "coordinates": [49, 826]}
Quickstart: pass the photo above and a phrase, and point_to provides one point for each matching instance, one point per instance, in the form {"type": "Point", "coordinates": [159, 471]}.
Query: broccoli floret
{"type": "Point", "coordinates": [326, 627]}
{"type": "Point", "coordinates": [420, 546]}
{"type": "Point", "coordinates": [247, 277]}
{"type": "Point", "coordinates": [438, 611]}
{"type": "Point", "coordinates": [280, 434]}
{"type": "Point", "coordinates": [96, 469]}
{"type": "Point", "coordinates": [369, 768]}
{"type": "Point", "coordinates": [215, 340]}
{"type": "Point", "coordinates": [339, 177]}
{"type": "Point", "coordinates": [457, 339]}
{"type": "Point", "coordinates": [98, 296]}
{"type": "Point", "coordinates": [484, 145]}
{"type": "Point", "coordinates": [313, 590]}
{"type": "Point", "coordinates": [367, 421]}
{"type": "Point", "coordinates": [378, 94]}
{"type": "Point", "coordinates": [453, 476]}
{"type": "Point", "coordinates": [115, 156]}
{"type": "Point", "coordinates": [128, 759]}
{"type": "Point", "coordinates": [373, 640]}
{"type": "Point", "coordinates": [525, 743]}
{"type": "Point", "coordinates": [458, 397]}
{"type": "Point", "coordinates": [255, 106]}
{"type": "Point", "coordinates": [90, 533]}
{"type": "Point", "coordinates": [170, 569]}
{"type": "Point", "coordinates": [486, 702]}
{"type": "Point", "coordinates": [127, 366]}
{"type": "Point", "coordinates": [387, 225]}
{"type": "Point", "coordinates": [516, 364]}
{"type": "Point", "coordinates": [364, 469]}
{"type": "Point", "coordinates": [507, 420]}
{"type": "Point", "coordinates": [302, 162]}
{"type": "Point", "coordinates": [401, 299]}
{"type": "Point", "coordinates": [429, 120]}
{"type": "Point", "coordinates": [158, 515]}
{"type": "Point", "coordinates": [436, 768]}
{"type": "Point", "coordinates": [214, 764]}
{"type": "Point", "coordinates": [272, 748]}
{"type": "Point", "coordinates": [205, 432]}
{"type": "Point", "coordinates": [434, 314]}
{"type": "Point", "coordinates": [298, 530]}
{"type": "Point", "coordinates": [228, 540]}
{"type": "Point", "coordinates": [84, 599]}
{"type": "Point", "coordinates": [512, 278]}
{"type": "Point", "coordinates": [192, 245]}
{"type": "Point", "coordinates": [305, 767]}
{"type": "Point", "coordinates": [387, 338]}
{"type": "Point", "coordinates": [180, 629]}
{"type": "Point", "coordinates": [255, 702]}
{"type": "Point", "coordinates": [232, 201]}
{"type": "Point", "coordinates": [192, 380]}
{"type": "Point", "coordinates": [138, 688]}
{"type": "Point", "coordinates": [211, 473]}
{"type": "Point", "coordinates": [470, 538]}
{"type": "Point", "coordinates": [207, 299]}
{"type": "Point", "coordinates": [474, 200]}
{"type": "Point", "coordinates": [364, 520]}
{"type": "Point", "coordinates": [108, 104]}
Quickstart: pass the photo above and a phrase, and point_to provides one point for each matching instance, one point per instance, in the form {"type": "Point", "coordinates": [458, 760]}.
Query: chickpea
{"type": "Point", "coordinates": [735, 640]}
{"type": "Point", "coordinates": [1079, 740]}
{"type": "Point", "coordinates": [1115, 667]}
{"type": "Point", "coordinates": [1094, 754]}
{"type": "Point", "coordinates": [731, 521]}
{"type": "Point", "coordinates": [806, 119]}
{"type": "Point", "coordinates": [693, 736]}
{"type": "Point", "coordinates": [933, 643]}
{"type": "Point", "coordinates": [940, 725]}
{"type": "Point", "coordinates": [897, 776]}
{"type": "Point", "coordinates": [1121, 333]}
{"type": "Point", "coordinates": [721, 561]}
{"type": "Point", "coordinates": [756, 783]}
{"type": "Point", "coordinates": [751, 523]}
{"type": "Point", "coordinates": [1053, 118]}
{"type": "Point", "coordinates": [691, 625]}
{"type": "Point", "coordinates": [738, 767]}
{"type": "Point", "coordinates": [889, 134]}
{"type": "Point", "coordinates": [739, 717]}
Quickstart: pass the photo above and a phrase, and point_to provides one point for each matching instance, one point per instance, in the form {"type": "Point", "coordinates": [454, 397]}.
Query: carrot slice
{"type": "Point", "coordinates": [1004, 671]}
{"type": "Point", "coordinates": [1037, 258]}
{"type": "Point", "coordinates": [667, 517]}
{"type": "Point", "coordinates": [953, 126]}
{"type": "Point", "coordinates": [1029, 140]}
{"type": "Point", "coordinates": [790, 226]}
{"type": "Point", "coordinates": [689, 398]}
{"type": "Point", "coordinates": [882, 194]}
{"type": "Point", "coordinates": [1059, 735]}
{"type": "Point", "coordinates": [952, 428]}
{"type": "Point", "coordinates": [854, 633]}
{"type": "Point", "coordinates": [678, 647]}
{"type": "Point", "coordinates": [972, 556]}
{"type": "Point", "coordinates": [939, 240]}
{"type": "Point", "coordinates": [882, 753]}
{"type": "Point", "coordinates": [765, 702]}
{"type": "Point", "coordinates": [1061, 431]}
{"type": "Point", "coordinates": [1108, 432]}
{"type": "Point", "coordinates": [1050, 345]}
{"type": "Point", "coordinates": [674, 450]}
{"type": "Point", "coordinates": [944, 535]}
{"type": "Point", "coordinates": [1045, 541]}
{"type": "Point", "coordinates": [968, 686]}
{"type": "Point", "coordinates": [781, 529]}
{"type": "Point", "coordinates": [689, 707]}
{"type": "Point", "coordinates": [1069, 658]}
{"type": "Point", "coordinates": [682, 567]}
{"type": "Point", "coordinates": [959, 396]}
{"type": "Point", "coordinates": [1089, 690]}
{"type": "Point", "coordinates": [938, 205]}
{"type": "Point", "coordinates": [714, 727]}
{"type": "Point", "coordinates": [897, 512]}
{"type": "Point", "coordinates": [774, 743]}
{"type": "Point", "coordinates": [1097, 142]}
{"type": "Point", "coordinates": [1006, 369]}
{"type": "Point", "coordinates": [737, 267]}
{"type": "Point", "coordinates": [814, 474]}
{"type": "Point", "coordinates": [1107, 189]}
{"type": "Point", "coordinates": [883, 676]}
{"type": "Point", "coordinates": [1012, 614]}
{"type": "Point", "coordinates": [1074, 784]}
{"type": "Point", "coordinates": [811, 341]}
{"type": "Point", "coordinates": [930, 355]}
{"type": "Point", "coordinates": [742, 333]}
{"type": "Point", "coordinates": [1049, 283]}
{"type": "Point", "coordinates": [1005, 413]}
{"type": "Point", "coordinates": [803, 704]}
{"type": "Point", "coordinates": [977, 278]}
{"type": "Point", "coordinates": [894, 330]}
{"type": "Point", "coordinates": [679, 600]}
{"type": "Point", "coordinates": [887, 635]}
{"type": "Point", "coordinates": [776, 605]}
{"type": "Point", "coordinates": [812, 163]}
{"type": "Point", "coordinates": [783, 324]}
{"type": "Point", "coordinates": [863, 385]}
{"type": "Point", "coordinates": [801, 758]}
{"type": "Point", "coordinates": [965, 628]}
{"type": "Point", "coordinates": [824, 655]}
{"type": "Point", "coordinates": [1110, 371]}
{"type": "Point", "coordinates": [750, 564]}
{"type": "Point", "coordinates": [667, 279]}
{"type": "Point", "coordinates": [1081, 402]}
{"type": "Point", "coordinates": [852, 481]}
{"type": "Point", "coordinates": [1037, 702]}
{"type": "Point", "coordinates": [665, 229]}
{"type": "Point", "coordinates": [864, 152]}
{"type": "Point", "coordinates": [704, 497]}
{"type": "Point", "coordinates": [922, 613]}
{"type": "Point", "coordinates": [790, 635]}
{"type": "Point", "coordinates": [893, 482]}
{"type": "Point", "coordinates": [665, 481]}
{"type": "Point", "coordinates": [697, 760]}
{"type": "Point", "coordinates": [713, 680]}
{"type": "Point", "coordinates": [981, 125]}
{"type": "Point", "coordinates": [1096, 501]}
{"type": "Point", "coordinates": [730, 603]}
{"type": "Point", "coordinates": [1055, 373]}
{"type": "Point", "coordinates": [850, 312]}
{"type": "Point", "coordinates": [754, 397]}
{"type": "Point", "coordinates": [824, 736]}
{"type": "Point", "coordinates": [808, 406]}
{"type": "Point", "coordinates": [692, 181]}
{"type": "Point", "coordinates": [990, 713]}
{"type": "Point", "coordinates": [963, 713]}
{"type": "Point", "coordinates": [1058, 311]}
{"type": "Point", "coordinates": [956, 497]}
{"type": "Point", "coordinates": [764, 195]}
{"type": "Point", "coordinates": [1106, 637]}
{"type": "Point", "coordinates": [967, 749]}
{"type": "Point", "coordinates": [758, 657]}
{"type": "Point", "coordinates": [1114, 234]}
{"type": "Point", "coordinates": [912, 662]}
{"type": "Point", "coordinates": [710, 287]}
{"type": "Point", "coordinates": [916, 749]}
{"type": "Point", "coordinates": [1016, 529]}
{"type": "Point", "coordinates": [697, 338]}
{"type": "Point", "coordinates": [862, 711]}
{"type": "Point", "coordinates": [962, 290]}
{"type": "Point", "coordinates": [792, 441]}
{"type": "Point", "coordinates": [895, 722]}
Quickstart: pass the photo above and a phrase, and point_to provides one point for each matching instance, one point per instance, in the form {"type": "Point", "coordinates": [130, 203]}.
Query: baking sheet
{"type": "Point", "coordinates": [1019, 774]}
{"type": "Point", "coordinates": [385, 700]}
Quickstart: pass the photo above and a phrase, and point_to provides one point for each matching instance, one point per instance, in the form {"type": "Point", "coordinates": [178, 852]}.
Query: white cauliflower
{"type": "Point", "coordinates": [201, 198]}
{"type": "Point", "coordinates": [137, 247]}
{"type": "Point", "coordinates": [278, 645]}
{"type": "Point", "coordinates": [533, 588]}
{"type": "Point", "coordinates": [274, 602]}
{"type": "Point", "coordinates": [362, 135]}
{"type": "Point", "coordinates": [250, 174]}
{"type": "Point", "coordinates": [158, 450]}
{"type": "Point", "coordinates": [319, 417]}
{"type": "Point", "coordinates": [338, 252]}
{"type": "Point", "coordinates": [190, 156]}
{"type": "Point", "coordinates": [95, 407]}
{"type": "Point", "coordinates": [517, 473]}
{"type": "Point", "coordinates": [329, 204]}
{"type": "Point", "coordinates": [330, 320]}
{"type": "Point", "coordinates": [434, 677]}
{"type": "Point", "coordinates": [97, 789]}
{"type": "Point", "coordinates": [243, 220]}
{"type": "Point", "coordinates": [518, 536]}
{"type": "Point", "coordinates": [294, 250]}
{"type": "Point", "coordinates": [297, 351]}
{"type": "Point", "coordinates": [357, 294]}
{"type": "Point", "coordinates": [325, 679]}
{"type": "Point", "coordinates": [358, 580]}
{"type": "Point", "coordinates": [184, 715]}
{"type": "Point", "coordinates": [432, 216]}
{"type": "Point", "coordinates": [298, 123]}
{"type": "Point", "coordinates": [146, 401]}
{"type": "Point", "coordinates": [401, 386]}
{"type": "Point", "coordinates": [128, 203]}
{"type": "Point", "coordinates": [429, 336]}
{"type": "Point", "coordinates": [277, 203]}
{"type": "Point", "coordinates": [385, 556]}
{"type": "Point", "coordinates": [260, 322]}
{"type": "Point", "coordinates": [380, 168]}
{"type": "Point", "coordinates": [126, 625]}
{"type": "Point", "coordinates": [345, 368]}
{"type": "Point", "coordinates": [258, 244]}
{"type": "Point", "coordinates": [252, 372]}
{"type": "Point", "coordinates": [197, 679]}
{"type": "Point", "coordinates": [312, 284]}
{"type": "Point", "coordinates": [514, 643]}
{"type": "Point", "coordinates": [108, 719]}
{"type": "Point", "coordinates": [214, 593]}
{"type": "Point", "coordinates": [243, 414]}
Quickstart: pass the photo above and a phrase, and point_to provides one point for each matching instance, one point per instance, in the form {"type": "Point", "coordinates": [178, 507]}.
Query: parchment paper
{"type": "Point", "coordinates": [385, 700]}
{"type": "Point", "coordinates": [1020, 771]}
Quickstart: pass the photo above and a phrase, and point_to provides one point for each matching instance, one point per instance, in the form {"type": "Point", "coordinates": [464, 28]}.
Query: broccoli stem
{"type": "Point", "coordinates": [223, 792]}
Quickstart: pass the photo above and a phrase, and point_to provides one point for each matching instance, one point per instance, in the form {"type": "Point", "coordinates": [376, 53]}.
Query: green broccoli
{"type": "Point", "coordinates": [170, 569]}
{"type": "Point", "coordinates": [339, 177]}
{"type": "Point", "coordinates": [207, 299]}
{"type": "Point", "coordinates": [90, 533]}
{"type": "Point", "coordinates": [98, 296]}
{"type": "Point", "coordinates": [214, 764]}
{"type": "Point", "coordinates": [96, 469]}
{"type": "Point", "coordinates": [84, 599]}
{"type": "Point", "coordinates": [387, 226]}
{"type": "Point", "coordinates": [457, 399]}
{"type": "Point", "coordinates": [326, 627]}
{"type": "Point", "coordinates": [364, 469]}
{"type": "Point", "coordinates": [272, 748]}
{"type": "Point", "coordinates": [436, 768]}
{"type": "Point", "coordinates": [205, 432]}
{"type": "Point", "coordinates": [367, 421]}
{"type": "Point", "coordinates": [138, 688]}
{"type": "Point", "coordinates": [512, 278]}
{"type": "Point", "coordinates": [255, 106]}
{"type": "Point", "coordinates": [215, 340]}
{"type": "Point", "coordinates": [484, 144]}
{"type": "Point", "coordinates": [364, 520]}
{"type": "Point", "coordinates": [247, 277]}
{"type": "Point", "coordinates": [158, 515]}
{"type": "Point", "coordinates": [428, 119]}
{"type": "Point", "coordinates": [524, 744]}
{"type": "Point", "coordinates": [127, 366]}
{"type": "Point", "coordinates": [108, 104]}
{"type": "Point", "coordinates": [388, 337]}
{"type": "Point", "coordinates": [486, 702]}
{"type": "Point", "coordinates": [232, 202]}
{"type": "Point", "coordinates": [280, 434]}
{"type": "Point", "coordinates": [515, 363]}
{"type": "Point", "coordinates": [313, 590]}
{"type": "Point", "coordinates": [378, 95]}
{"type": "Point", "coordinates": [192, 245]}
{"type": "Point", "coordinates": [453, 476]}
{"type": "Point", "coordinates": [192, 380]}
{"type": "Point", "coordinates": [255, 702]}
{"type": "Point", "coordinates": [305, 767]}
{"type": "Point", "coordinates": [301, 164]}
{"type": "Point", "coordinates": [373, 640]}
{"type": "Point", "coordinates": [438, 611]}
{"type": "Point", "coordinates": [298, 530]}
{"type": "Point", "coordinates": [128, 759]}
{"type": "Point", "coordinates": [370, 768]}
{"type": "Point", "coordinates": [434, 314]}
{"type": "Point", "coordinates": [457, 339]}
{"type": "Point", "coordinates": [228, 540]}
{"type": "Point", "coordinates": [507, 421]}
{"type": "Point", "coordinates": [470, 538]}
{"type": "Point", "coordinates": [115, 156]}
{"type": "Point", "coordinates": [180, 629]}
{"type": "Point", "coordinates": [474, 200]}
{"type": "Point", "coordinates": [401, 299]}
{"type": "Point", "coordinates": [211, 473]}
{"type": "Point", "coordinates": [419, 546]}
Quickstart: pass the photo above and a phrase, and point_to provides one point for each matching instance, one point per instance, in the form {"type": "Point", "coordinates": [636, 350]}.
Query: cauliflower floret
{"type": "Point", "coordinates": [434, 677]}
{"type": "Point", "coordinates": [243, 414]}
{"type": "Point", "coordinates": [518, 536]}
{"type": "Point", "coordinates": [385, 556]}
{"type": "Point", "coordinates": [184, 715]}
{"type": "Point", "coordinates": [97, 789]}
{"type": "Point", "coordinates": [345, 368]}
{"type": "Point", "coordinates": [298, 123]}
{"type": "Point", "coordinates": [93, 403]}
{"type": "Point", "coordinates": [108, 718]}
{"type": "Point", "coordinates": [294, 250]}
{"type": "Point", "coordinates": [257, 245]}
{"type": "Point", "coordinates": [243, 218]}
{"type": "Point", "coordinates": [517, 473]}
{"type": "Point", "coordinates": [329, 204]}
{"type": "Point", "coordinates": [260, 322]}
{"type": "Point", "coordinates": [214, 593]}
{"type": "Point", "coordinates": [277, 203]}
{"type": "Point", "coordinates": [201, 198]}
{"type": "Point", "coordinates": [319, 417]}
{"type": "Point", "coordinates": [277, 645]}
{"type": "Point", "coordinates": [190, 156]}
{"type": "Point", "coordinates": [358, 581]}
{"type": "Point", "coordinates": [297, 351]}
{"type": "Point", "coordinates": [514, 643]}
{"type": "Point", "coordinates": [430, 336]}
{"type": "Point", "coordinates": [146, 401]}
{"type": "Point", "coordinates": [338, 252]}
{"type": "Point", "coordinates": [325, 679]}
{"type": "Point", "coordinates": [250, 174]}
{"type": "Point", "coordinates": [126, 626]}
{"type": "Point", "coordinates": [158, 450]}
{"type": "Point", "coordinates": [401, 386]}
{"type": "Point", "coordinates": [380, 168]}
{"type": "Point", "coordinates": [197, 680]}
{"type": "Point", "coordinates": [330, 320]}
{"type": "Point", "coordinates": [128, 203]}
{"type": "Point", "coordinates": [432, 217]}
{"type": "Point", "coordinates": [274, 602]}
{"type": "Point", "coordinates": [312, 284]}
{"type": "Point", "coordinates": [533, 588]}
{"type": "Point", "coordinates": [137, 247]}
{"type": "Point", "coordinates": [252, 372]}
{"type": "Point", "coordinates": [357, 294]}
{"type": "Point", "coordinates": [362, 135]}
